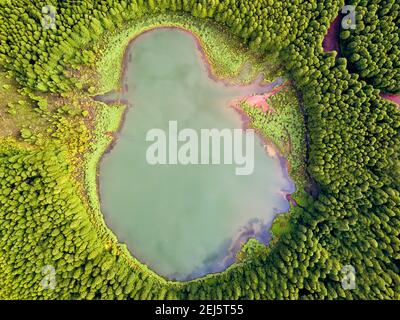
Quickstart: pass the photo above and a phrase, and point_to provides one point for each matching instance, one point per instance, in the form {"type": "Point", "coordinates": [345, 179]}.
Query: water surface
{"type": "Point", "coordinates": [183, 221]}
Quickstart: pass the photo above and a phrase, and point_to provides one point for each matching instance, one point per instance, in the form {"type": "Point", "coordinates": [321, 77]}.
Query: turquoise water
{"type": "Point", "coordinates": [183, 221]}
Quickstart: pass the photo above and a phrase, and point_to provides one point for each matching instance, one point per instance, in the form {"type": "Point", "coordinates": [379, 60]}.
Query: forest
{"type": "Point", "coordinates": [373, 49]}
{"type": "Point", "coordinates": [351, 218]}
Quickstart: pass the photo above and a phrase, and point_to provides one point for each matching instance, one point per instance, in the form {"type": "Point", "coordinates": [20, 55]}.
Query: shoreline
{"type": "Point", "coordinates": [214, 76]}
{"type": "Point", "coordinates": [331, 40]}
{"type": "Point", "coordinates": [232, 70]}
{"type": "Point", "coordinates": [271, 149]}
{"type": "Point", "coordinates": [395, 98]}
{"type": "Point", "coordinates": [204, 56]}
{"type": "Point", "coordinates": [211, 70]}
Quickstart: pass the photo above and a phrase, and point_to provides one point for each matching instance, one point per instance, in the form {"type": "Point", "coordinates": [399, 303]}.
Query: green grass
{"type": "Point", "coordinates": [285, 128]}
{"type": "Point", "coordinates": [16, 110]}
{"type": "Point", "coordinates": [228, 57]}
{"type": "Point", "coordinates": [107, 122]}
{"type": "Point", "coordinates": [108, 118]}
{"type": "Point", "coordinates": [281, 225]}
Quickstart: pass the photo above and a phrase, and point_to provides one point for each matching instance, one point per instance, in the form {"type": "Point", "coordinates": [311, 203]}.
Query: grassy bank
{"type": "Point", "coordinates": [228, 58]}
{"type": "Point", "coordinates": [285, 128]}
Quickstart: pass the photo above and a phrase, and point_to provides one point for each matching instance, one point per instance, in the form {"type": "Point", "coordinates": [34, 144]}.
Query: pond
{"type": "Point", "coordinates": [184, 221]}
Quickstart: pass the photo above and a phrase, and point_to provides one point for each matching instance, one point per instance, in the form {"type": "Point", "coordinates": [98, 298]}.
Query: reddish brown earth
{"type": "Point", "coordinates": [260, 100]}
{"type": "Point", "coordinates": [331, 40]}
{"type": "Point", "coordinates": [392, 97]}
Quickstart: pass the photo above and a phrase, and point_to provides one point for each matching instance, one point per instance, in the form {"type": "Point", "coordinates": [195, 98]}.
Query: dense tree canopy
{"type": "Point", "coordinates": [353, 156]}
{"type": "Point", "coordinates": [373, 47]}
